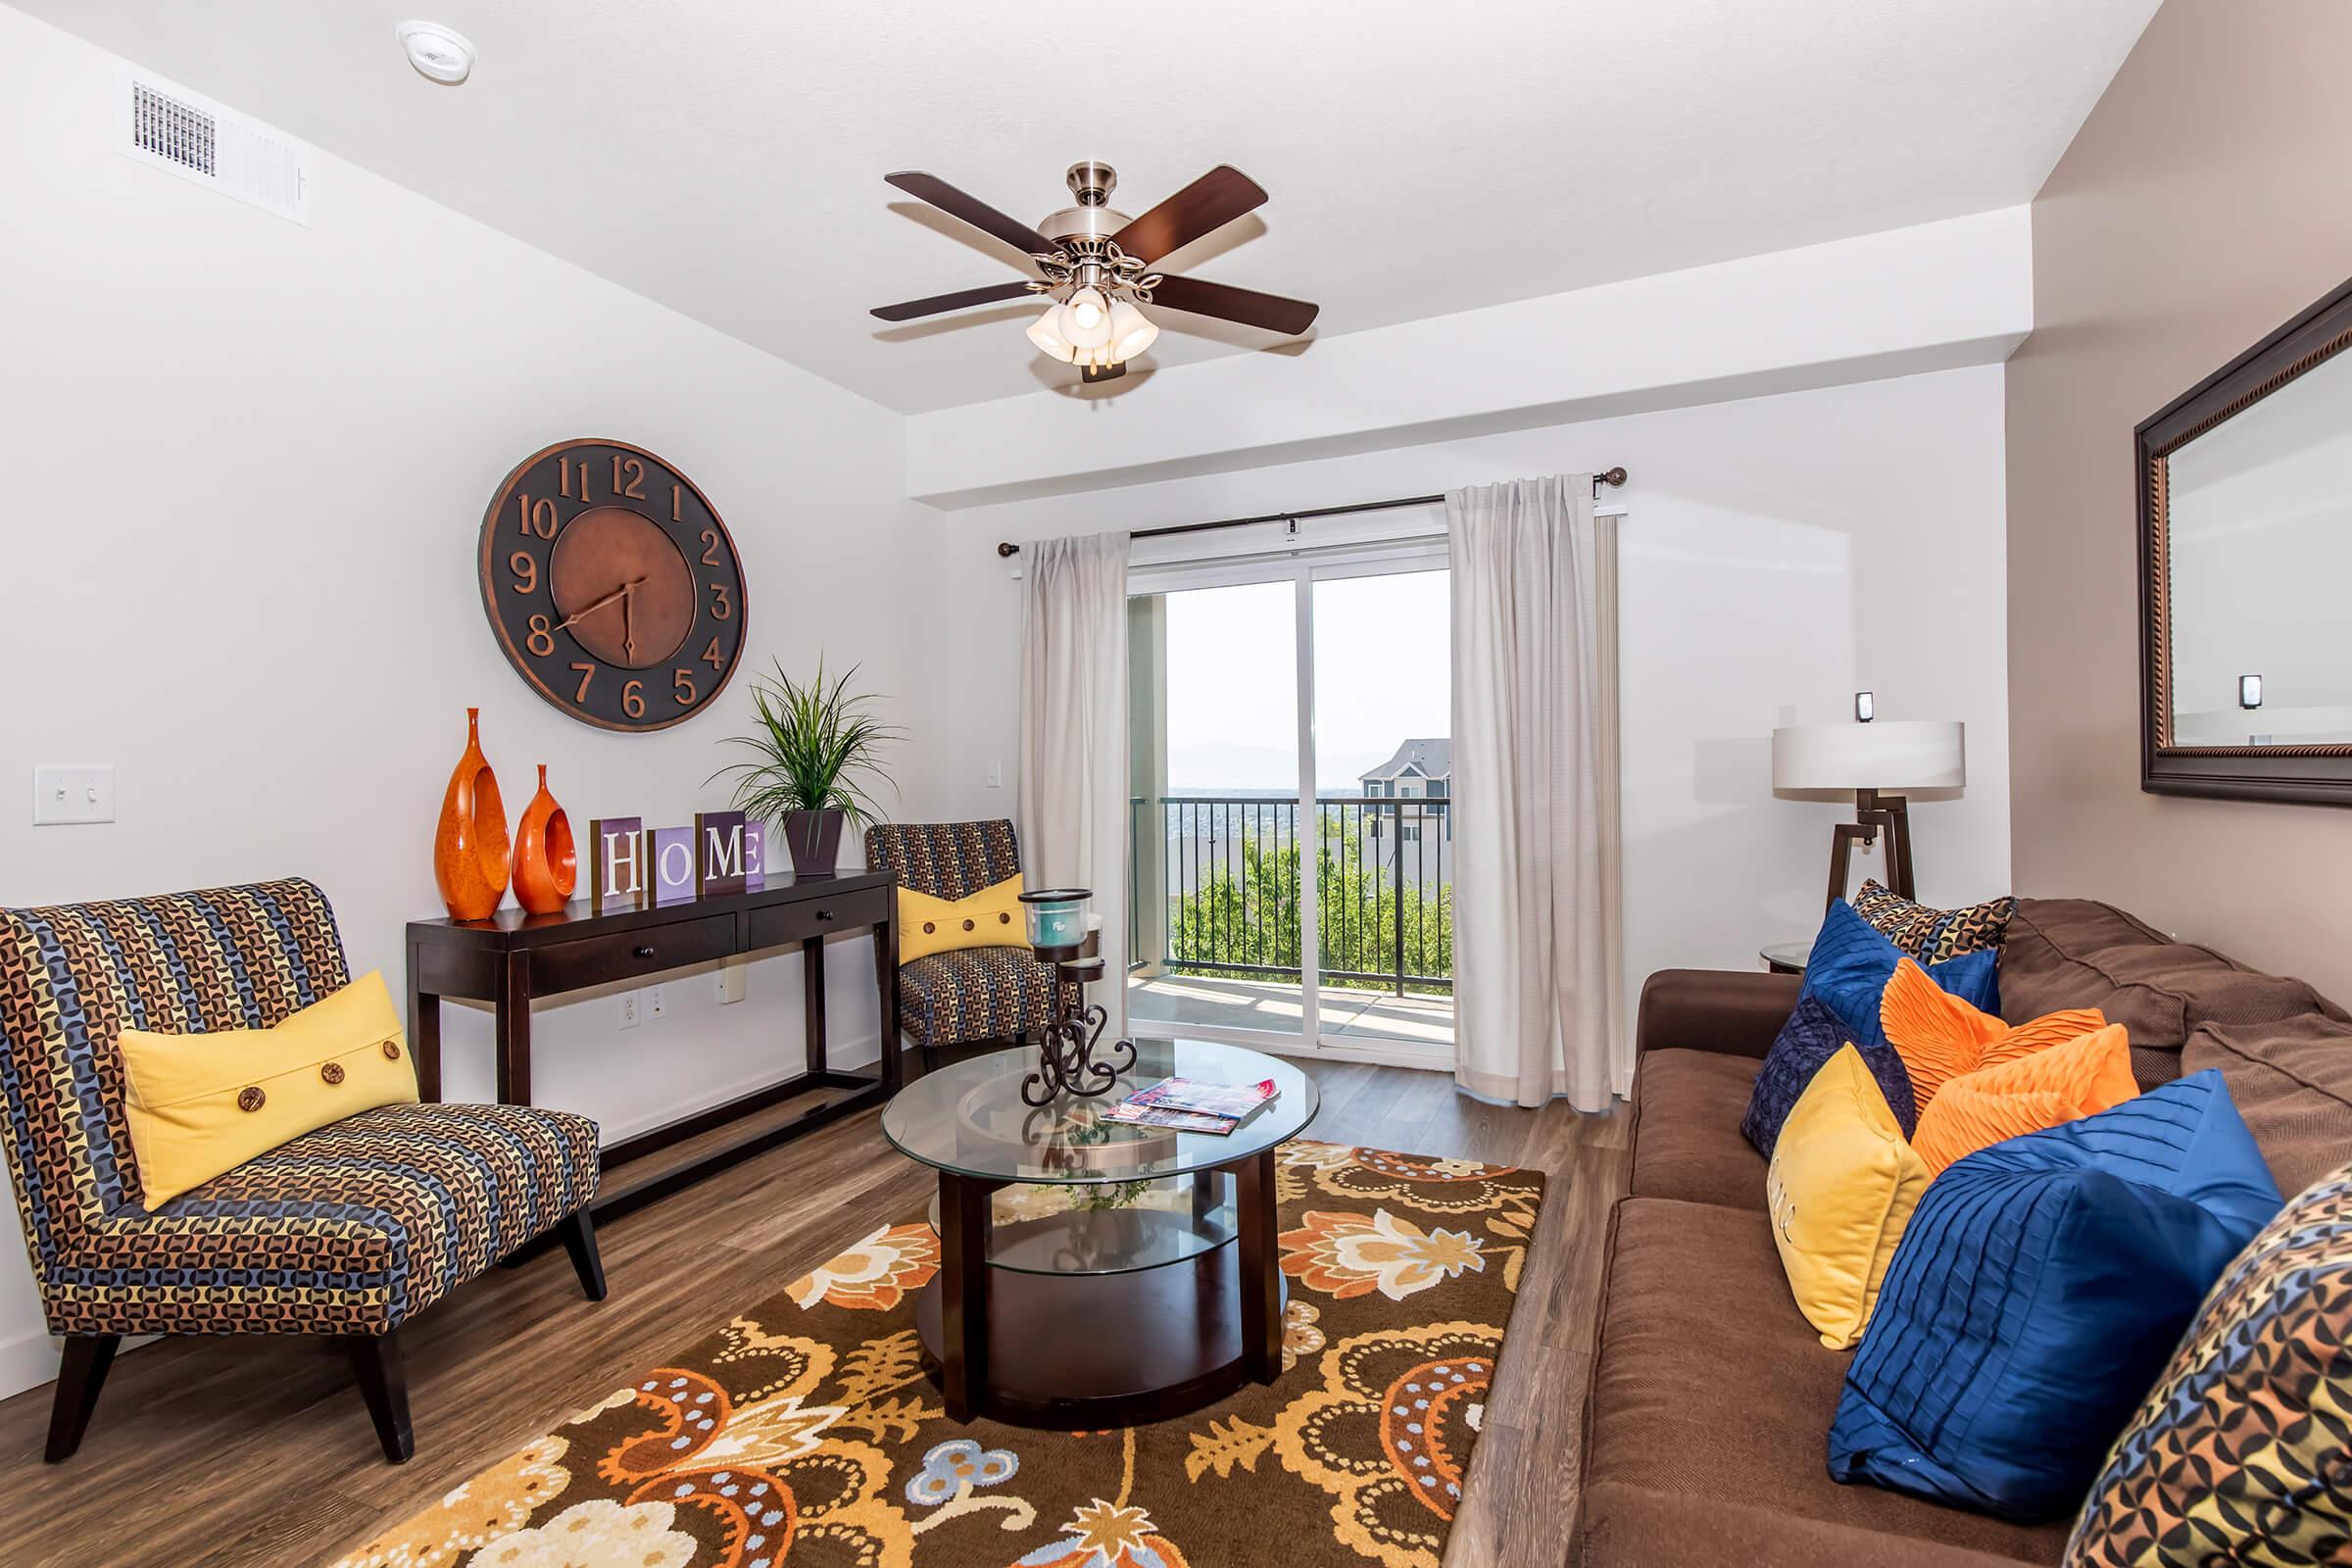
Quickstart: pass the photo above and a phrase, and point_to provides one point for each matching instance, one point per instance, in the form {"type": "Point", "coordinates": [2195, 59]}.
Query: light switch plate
{"type": "Point", "coordinates": [65, 794]}
{"type": "Point", "coordinates": [996, 775]}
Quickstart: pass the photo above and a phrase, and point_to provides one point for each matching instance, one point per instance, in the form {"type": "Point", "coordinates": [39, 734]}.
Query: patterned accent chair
{"type": "Point", "coordinates": [950, 999]}
{"type": "Point", "coordinates": [346, 1232]}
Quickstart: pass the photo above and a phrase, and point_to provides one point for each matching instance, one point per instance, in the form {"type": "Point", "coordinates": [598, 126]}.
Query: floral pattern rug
{"type": "Point", "coordinates": [808, 1432]}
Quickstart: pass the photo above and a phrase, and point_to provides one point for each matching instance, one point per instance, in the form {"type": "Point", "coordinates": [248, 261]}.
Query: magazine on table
{"type": "Point", "coordinates": [1185, 1105]}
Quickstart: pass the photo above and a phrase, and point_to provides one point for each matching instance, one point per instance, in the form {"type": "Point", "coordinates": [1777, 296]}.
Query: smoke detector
{"type": "Point", "coordinates": [438, 53]}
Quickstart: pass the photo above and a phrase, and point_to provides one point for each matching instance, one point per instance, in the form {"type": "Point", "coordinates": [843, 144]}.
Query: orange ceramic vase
{"type": "Point", "coordinates": [546, 867]}
{"type": "Point", "coordinates": [469, 846]}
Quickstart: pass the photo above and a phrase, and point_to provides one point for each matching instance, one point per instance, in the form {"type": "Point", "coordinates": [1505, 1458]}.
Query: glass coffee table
{"type": "Point", "coordinates": [1094, 1273]}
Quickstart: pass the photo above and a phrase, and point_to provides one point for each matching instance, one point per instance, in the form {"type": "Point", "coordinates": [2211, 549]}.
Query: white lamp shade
{"type": "Point", "coordinates": [1046, 333]}
{"type": "Point", "coordinates": [1131, 332]}
{"type": "Point", "coordinates": [1909, 755]}
{"type": "Point", "coordinates": [1085, 321]}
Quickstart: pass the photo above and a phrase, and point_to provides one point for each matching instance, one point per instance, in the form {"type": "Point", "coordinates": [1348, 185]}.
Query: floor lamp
{"type": "Point", "coordinates": [1871, 759]}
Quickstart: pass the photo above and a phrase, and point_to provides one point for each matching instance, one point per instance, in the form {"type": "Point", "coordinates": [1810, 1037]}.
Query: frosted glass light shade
{"type": "Point", "coordinates": [1890, 755]}
{"type": "Point", "coordinates": [1131, 332]}
{"type": "Point", "coordinates": [1046, 333]}
{"type": "Point", "coordinates": [1086, 319]}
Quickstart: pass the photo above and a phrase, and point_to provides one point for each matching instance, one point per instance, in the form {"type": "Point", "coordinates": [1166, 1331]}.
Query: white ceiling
{"type": "Point", "coordinates": [725, 157]}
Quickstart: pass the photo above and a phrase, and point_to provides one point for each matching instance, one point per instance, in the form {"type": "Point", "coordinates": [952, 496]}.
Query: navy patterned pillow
{"type": "Point", "coordinates": [1811, 1037]}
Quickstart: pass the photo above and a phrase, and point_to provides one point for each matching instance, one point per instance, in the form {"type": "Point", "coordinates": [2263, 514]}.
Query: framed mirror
{"type": "Point", "coordinates": [2245, 549]}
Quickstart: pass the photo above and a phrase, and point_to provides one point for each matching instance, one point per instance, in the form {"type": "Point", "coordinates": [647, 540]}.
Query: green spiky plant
{"type": "Point", "coordinates": [817, 749]}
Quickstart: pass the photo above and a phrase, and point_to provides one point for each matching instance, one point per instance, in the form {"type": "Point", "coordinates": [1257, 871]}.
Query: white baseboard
{"type": "Point", "coordinates": [1331, 1048]}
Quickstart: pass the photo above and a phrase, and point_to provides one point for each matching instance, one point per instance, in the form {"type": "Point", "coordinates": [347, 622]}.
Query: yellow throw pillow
{"type": "Point", "coordinates": [203, 1104]}
{"type": "Point", "coordinates": [988, 918]}
{"type": "Point", "coordinates": [1842, 1187]}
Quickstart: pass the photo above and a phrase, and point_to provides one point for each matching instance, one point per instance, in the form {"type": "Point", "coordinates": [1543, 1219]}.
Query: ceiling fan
{"type": "Point", "coordinates": [1095, 266]}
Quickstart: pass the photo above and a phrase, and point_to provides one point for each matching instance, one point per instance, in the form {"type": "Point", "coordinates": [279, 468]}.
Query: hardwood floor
{"type": "Point", "coordinates": [209, 1453]}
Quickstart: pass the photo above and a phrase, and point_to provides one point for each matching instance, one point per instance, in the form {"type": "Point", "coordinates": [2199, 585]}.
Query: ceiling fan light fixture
{"type": "Point", "coordinates": [1046, 333]}
{"type": "Point", "coordinates": [1086, 318]}
{"type": "Point", "coordinates": [1131, 332]}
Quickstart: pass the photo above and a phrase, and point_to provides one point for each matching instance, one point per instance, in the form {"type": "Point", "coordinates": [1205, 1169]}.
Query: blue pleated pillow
{"type": "Point", "coordinates": [2036, 1293]}
{"type": "Point", "coordinates": [1813, 1035]}
{"type": "Point", "coordinates": [1852, 960]}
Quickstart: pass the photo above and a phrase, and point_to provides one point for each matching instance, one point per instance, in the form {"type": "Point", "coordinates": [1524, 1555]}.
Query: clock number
{"type": "Point", "coordinates": [542, 639]}
{"type": "Point", "coordinates": [538, 517]}
{"type": "Point", "coordinates": [563, 475]}
{"type": "Point", "coordinates": [634, 489]}
{"type": "Point", "coordinates": [526, 571]}
{"type": "Point", "coordinates": [677, 499]}
{"type": "Point", "coordinates": [681, 686]}
{"type": "Point", "coordinates": [711, 547]}
{"type": "Point", "coordinates": [710, 656]}
{"type": "Point", "coordinates": [721, 607]}
{"type": "Point", "coordinates": [633, 698]}
{"type": "Point", "coordinates": [587, 674]}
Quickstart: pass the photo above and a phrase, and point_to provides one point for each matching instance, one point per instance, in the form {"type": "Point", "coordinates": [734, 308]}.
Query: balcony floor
{"type": "Point", "coordinates": [1180, 1001]}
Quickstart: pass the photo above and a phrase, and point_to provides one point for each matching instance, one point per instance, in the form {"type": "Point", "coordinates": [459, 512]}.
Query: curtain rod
{"type": "Point", "coordinates": [1614, 477]}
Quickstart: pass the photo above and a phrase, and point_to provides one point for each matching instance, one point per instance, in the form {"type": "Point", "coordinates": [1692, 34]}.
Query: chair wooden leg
{"type": "Point", "coordinates": [579, 1240]}
{"type": "Point", "coordinates": [78, 1380]}
{"type": "Point", "coordinates": [384, 1382]}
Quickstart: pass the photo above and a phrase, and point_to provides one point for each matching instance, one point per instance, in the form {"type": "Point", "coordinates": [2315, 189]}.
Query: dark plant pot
{"type": "Point", "coordinates": [815, 838]}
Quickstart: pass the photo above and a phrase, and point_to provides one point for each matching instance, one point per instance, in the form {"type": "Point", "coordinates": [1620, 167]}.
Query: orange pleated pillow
{"type": "Point", "coordinates": [2077, 1077]}
{"type": "Point", "coordinates": [1940, 1036]}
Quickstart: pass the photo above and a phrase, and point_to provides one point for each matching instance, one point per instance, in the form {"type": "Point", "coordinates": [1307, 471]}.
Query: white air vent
{"type": "Point", "coordinates": [162, 124]}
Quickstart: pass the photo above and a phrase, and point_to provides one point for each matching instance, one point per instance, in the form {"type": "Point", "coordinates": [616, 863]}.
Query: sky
{"type": "Point", "coordinates": [1381, 676]}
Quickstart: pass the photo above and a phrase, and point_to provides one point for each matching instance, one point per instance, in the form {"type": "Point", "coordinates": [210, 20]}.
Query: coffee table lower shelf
{"type": "Point", "coordinates": [1082, 1351]}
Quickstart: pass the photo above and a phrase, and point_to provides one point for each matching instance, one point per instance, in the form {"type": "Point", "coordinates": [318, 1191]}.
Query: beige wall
{"type": "Point", "coordinates": [2199, 208]}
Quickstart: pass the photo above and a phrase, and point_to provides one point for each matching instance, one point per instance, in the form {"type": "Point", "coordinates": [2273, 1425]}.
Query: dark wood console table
{"type": "Point", "coordinates": [513, 958]}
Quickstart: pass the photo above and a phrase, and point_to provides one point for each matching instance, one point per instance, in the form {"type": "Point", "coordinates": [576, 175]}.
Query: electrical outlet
{"type": "Point", "coordinates": [655, 1005]}
{"type": "Point", "coordinates": [730, 981]}
{"type": "Point", "coordinates": [996, 775]}
{"type": "Point", "coordinates": [629, 1009]}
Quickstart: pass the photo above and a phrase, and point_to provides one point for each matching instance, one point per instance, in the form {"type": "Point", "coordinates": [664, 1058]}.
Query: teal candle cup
{"type": "Point", "coordinates": [1056, 919]}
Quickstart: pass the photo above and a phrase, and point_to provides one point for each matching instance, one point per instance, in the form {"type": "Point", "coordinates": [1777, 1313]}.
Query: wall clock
{"type": "Point", "coordinates": [613, 585]}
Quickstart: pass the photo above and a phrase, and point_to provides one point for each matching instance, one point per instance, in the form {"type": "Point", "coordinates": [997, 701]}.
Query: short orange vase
{"type": "Point", "coordinates": [469, 846]}
{"type": "Point", "coordinates": [546, 866]}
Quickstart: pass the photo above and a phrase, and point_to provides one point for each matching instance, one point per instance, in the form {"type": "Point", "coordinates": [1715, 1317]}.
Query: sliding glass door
{"type": "Point", "coordinates": [1292, 845]}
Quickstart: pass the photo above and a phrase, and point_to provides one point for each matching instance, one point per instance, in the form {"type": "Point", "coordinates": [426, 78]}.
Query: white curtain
{"type": "Point", "coordinates": [1071, 807]}
{"type": "Point", "coordinates": [1537, 922]}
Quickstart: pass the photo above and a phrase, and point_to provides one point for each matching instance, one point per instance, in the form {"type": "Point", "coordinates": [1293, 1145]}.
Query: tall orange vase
{"type": "Point", "coordinates": [546, 866]}
{"type": "Point", "coordinates": [469, 846]}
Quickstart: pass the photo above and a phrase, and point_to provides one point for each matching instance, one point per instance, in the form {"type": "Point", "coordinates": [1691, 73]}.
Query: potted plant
{"type": "Point", "coordinates": [813, 756]}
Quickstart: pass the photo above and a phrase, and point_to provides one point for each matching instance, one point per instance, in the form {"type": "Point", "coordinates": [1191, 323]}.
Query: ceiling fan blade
{"type": "Point", "coordinates": [973, 211]}
{"type": "Point", "coordinates": [1211, 202]}
{"type": "Point", "coordinates": [956, 301]}
{"type": "Point", "coordinates": [1228, 304]}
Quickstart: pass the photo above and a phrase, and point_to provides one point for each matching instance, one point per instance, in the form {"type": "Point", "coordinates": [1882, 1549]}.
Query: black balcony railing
{"type": "Point", "coordinates": [1228, 875]}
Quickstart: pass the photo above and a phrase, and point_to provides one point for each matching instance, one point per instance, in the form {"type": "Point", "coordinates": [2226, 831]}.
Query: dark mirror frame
{"type": "Point", "coordinates": [2309, 774]}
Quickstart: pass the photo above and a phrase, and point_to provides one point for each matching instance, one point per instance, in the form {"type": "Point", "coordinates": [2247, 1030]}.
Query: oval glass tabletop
{"type": "Point", "coordinates": [969, 1118]}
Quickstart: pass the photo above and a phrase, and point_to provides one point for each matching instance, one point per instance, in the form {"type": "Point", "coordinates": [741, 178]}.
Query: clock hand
{"type": "Point", "coordinates": [621, 592]}
{"type": "Point", "coordinates": [629, 622]}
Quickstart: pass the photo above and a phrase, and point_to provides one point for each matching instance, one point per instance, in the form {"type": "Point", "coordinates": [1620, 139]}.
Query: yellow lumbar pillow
{"type": "Point", "coordinates": [988, 918]}
{"type": "Point", "coordinates": [1842, 1187]}
{"type": "Point", "coordinates": [203, 1104]}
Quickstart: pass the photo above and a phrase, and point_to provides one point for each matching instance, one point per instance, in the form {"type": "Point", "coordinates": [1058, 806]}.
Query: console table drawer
{"type": "Point", "coordinates": [776, 924]}
{"type": "Point", "coordinates": [600, 960]}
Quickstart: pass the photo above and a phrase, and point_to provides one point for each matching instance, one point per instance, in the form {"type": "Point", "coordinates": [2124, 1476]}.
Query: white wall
{"type": "Point", "coordinates": [1777, 554]}
{"type": "Point", "coordinates": [246, 467]}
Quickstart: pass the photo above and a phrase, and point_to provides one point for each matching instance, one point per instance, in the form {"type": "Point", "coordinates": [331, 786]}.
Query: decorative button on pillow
{"type": "Point", "coordinates": [2038, 1289]}
{"type": "Point", "coordinates": [2080, 1077]}
{"type": "Point", "coordinates": [1813, 1035]}
{"type": "Point", "coordinates": [1842, 1187]}
{"type": "Point", "coordinates": [1940, 1036]}
{"type": "Point", "coordinates": [202, 1104]}
{"type": "Point", "coordinates": [1851, 964]}
{"type": "Point", "coordinates": [1933, 935]}
{"type": "Point", "coordinates": [988, 918]}
{"type": "Point", "coordinates": [2241, 1452]}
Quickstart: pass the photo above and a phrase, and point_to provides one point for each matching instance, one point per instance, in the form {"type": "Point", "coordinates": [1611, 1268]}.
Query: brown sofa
{"type": "Point", "coordinates": [1706, 1425]}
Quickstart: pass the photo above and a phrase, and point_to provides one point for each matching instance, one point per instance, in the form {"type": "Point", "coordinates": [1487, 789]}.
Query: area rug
{"type": "Point", "coordinates": [806, 1432]}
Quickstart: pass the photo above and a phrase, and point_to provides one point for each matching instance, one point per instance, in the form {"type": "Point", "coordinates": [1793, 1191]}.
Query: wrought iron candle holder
{"type": "Point", "coordinates": [1066, 1063]}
